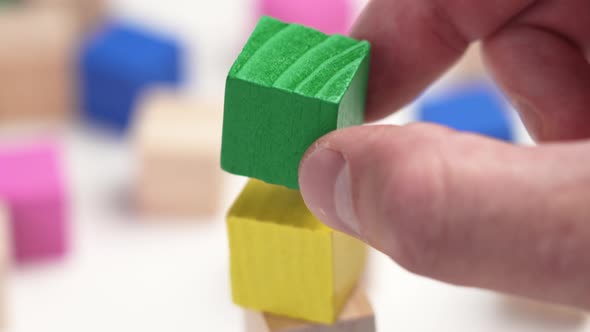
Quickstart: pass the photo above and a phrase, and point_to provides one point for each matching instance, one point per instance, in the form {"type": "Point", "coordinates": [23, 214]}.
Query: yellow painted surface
{"type": "Point", "coordinates": [349, 257]}
{"type": "Point", "coordinates": [283, 260]}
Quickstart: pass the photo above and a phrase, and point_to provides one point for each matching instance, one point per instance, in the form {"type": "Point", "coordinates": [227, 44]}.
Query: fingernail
{"type": "Point", "coordinates": [325, 184]}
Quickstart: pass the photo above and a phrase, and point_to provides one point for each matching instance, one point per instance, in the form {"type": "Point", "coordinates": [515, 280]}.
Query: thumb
{"type": "Point", "coordinates": [459, 207]}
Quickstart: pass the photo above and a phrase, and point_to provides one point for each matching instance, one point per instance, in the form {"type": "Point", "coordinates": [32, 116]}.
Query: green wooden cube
{"type": "Point", "coordinates": [289, 86]}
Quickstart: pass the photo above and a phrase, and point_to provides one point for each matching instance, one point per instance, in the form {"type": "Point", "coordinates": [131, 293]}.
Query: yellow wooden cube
{"type": "Point", "coordinates": [286, 262]}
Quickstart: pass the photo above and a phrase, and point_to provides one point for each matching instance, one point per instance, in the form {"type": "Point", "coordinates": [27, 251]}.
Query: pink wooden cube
{"type": "Point", "coordinates": [32, 187]}
{"type": "Point", "coordinates": [328, 16]}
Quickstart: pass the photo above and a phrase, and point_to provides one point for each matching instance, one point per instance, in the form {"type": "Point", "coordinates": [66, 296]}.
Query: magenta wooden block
{"type": "Point", "coordinates": [32, 186]}
{"type": "Point", "coordinates": [328, 16]}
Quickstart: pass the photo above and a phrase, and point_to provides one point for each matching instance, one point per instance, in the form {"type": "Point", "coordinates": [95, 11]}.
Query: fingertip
{"type": "Point", "coordinates": [324, 180]}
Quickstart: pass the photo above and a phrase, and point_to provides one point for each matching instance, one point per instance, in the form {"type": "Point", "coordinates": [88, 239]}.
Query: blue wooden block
{"type": "Point", "coordinates": [476, 107]}
{"type": "Point", "coordinates": [117, 64]}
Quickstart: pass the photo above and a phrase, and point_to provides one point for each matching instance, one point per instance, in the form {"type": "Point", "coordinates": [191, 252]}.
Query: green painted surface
{"type": "Point", "coordinates": [290, 86]}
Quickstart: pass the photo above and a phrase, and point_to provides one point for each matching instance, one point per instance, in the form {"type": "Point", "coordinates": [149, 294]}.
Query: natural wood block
{"type": "Point", "coordinates": [88, 13]}
{"type": "Point", "coordinates": [36, 65]}
{"type": "Point", "coordinates": [177, 141]}
{"type": "Point", "coordinates": [284, 260]}
{"type": "Point", "coordinates": [356, 316]}
{"type": "Point", "coordinates": [289, 86]}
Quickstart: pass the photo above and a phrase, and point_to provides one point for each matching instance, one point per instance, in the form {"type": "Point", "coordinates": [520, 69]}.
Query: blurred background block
{"type": "Point", "coordinates": [4, 261]}
{"type": "Point", "coordinates": [178, 140]}
{"type": "Point", "coordinates": [32, 186]}
{"type": "Point", "coordinates": [472, 106]}
{"type": "Point", "coordinates": [118, 63]}
{"type": "Point", "coordinates": [357, 316]}
{"type": "Point", "coordinates": [88, 13]}
{"type": "Point", "coordinates": [328, 16]}
{"type": "Point", "coordinates": [36, 65]}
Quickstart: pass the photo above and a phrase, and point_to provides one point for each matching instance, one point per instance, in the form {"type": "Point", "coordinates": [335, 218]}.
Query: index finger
{"type": "Point", "coordinates": [414, 41]}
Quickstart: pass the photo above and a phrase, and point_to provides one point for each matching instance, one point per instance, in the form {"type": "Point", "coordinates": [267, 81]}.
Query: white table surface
{"type": "Point", "coordinates": [125, 274]}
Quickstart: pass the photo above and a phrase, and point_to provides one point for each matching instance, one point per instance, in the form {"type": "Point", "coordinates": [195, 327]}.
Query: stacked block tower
{"type": "Point", "coordinates": [290, 86]}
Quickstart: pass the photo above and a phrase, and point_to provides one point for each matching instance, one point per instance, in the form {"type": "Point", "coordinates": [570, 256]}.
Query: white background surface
{"type": "Point", "coordinates": [125, 274]}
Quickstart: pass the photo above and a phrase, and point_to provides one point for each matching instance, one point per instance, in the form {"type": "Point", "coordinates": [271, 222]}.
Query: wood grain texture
{"type": "Point", "coordinates": [36, 65]}
{"type": "Point", "coordinates": [289, 86]}
{"type": "Point", "coordinates": [177, 142]}
{"type": "Point", "coordinates": [356, 316]}
{"type": "Point", "coordinates": [285, 261]}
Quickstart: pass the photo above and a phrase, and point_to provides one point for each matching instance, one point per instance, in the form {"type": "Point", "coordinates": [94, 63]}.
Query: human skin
{"type": "Point", "coordinates": [459, 207]}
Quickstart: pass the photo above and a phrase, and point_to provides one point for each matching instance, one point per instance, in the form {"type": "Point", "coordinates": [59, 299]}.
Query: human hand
{"type": "Point", "coordinates": [459, 207]}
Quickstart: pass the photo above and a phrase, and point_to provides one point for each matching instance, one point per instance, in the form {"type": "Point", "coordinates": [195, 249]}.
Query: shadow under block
{"type": "Point", "coordinates": [36, 65]}
{"type": "Point", "coordinates": [289, 86]}
{"type": "Point", "coordinates": [286, 262]}
{"type": "Point", "coordinates": [327, 16]}
{"type": "Point", "coordinates": [356, 316]}
{"type": "Point", "coordinates": [32, 187]}
{"type": "Point", "coordinates": [177, 141]}
{"type": "Point", "coordinates": [475, 106]}
{"type": "Point", "coordinates": [118, 63]}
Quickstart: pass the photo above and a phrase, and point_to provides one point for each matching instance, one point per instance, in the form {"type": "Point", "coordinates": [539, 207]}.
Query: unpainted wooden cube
{"type": "Point", "coordinates": [356, 316]}
{"type": "Point", "coordinates": [177, 141]}
{"type": "Point", "coordinates": [88, 13]}
{"type": "Point", "coordinates": [36, 65]}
